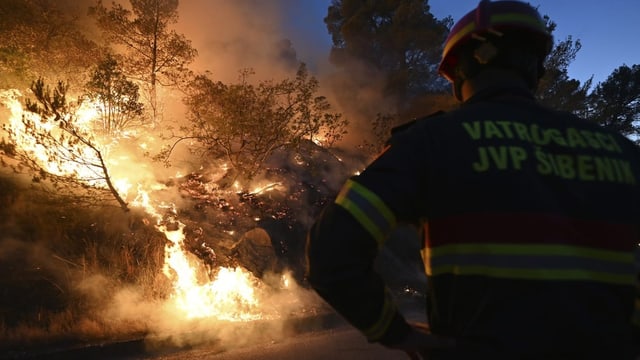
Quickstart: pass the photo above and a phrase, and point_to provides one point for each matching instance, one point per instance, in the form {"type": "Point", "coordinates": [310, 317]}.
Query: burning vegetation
{"type": "Point", "coordinates": [145, 194]}
{"type": "Point", "coordinates": [102, 242]}
{"type": "Point", "coordinates": [145, 198]}
{"type": "Point", "coordinates": [120, 219]}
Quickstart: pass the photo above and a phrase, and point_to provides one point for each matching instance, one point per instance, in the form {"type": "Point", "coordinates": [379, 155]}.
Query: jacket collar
{"type": "Point", "coordinates": [501, 92]}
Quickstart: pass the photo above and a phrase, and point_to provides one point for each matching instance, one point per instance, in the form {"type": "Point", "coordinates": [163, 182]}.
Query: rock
{"type": "Point", "coordinates": [255, 252]}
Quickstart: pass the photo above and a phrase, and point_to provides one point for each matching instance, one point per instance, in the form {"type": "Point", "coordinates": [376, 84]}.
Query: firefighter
{"type": "Point", "coordinates": [530, 215]}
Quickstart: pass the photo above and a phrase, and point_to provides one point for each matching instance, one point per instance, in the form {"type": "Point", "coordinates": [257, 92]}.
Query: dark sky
{"type": "Point", "coordinates": [608, 30]}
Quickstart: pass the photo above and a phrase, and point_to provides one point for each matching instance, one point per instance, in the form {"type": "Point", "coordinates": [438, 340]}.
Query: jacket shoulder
{"type": "Point", "coordinates": [410, 124]}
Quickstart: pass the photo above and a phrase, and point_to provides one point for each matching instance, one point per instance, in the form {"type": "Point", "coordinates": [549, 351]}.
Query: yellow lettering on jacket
{"type": "Point", "coordinates": [542, 148]}
{"type": "Point", "coordinates": [532, 133]}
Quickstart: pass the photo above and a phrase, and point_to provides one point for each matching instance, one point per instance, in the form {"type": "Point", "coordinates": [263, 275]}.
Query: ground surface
{"type": "Point", "coordinates": [341, 343]}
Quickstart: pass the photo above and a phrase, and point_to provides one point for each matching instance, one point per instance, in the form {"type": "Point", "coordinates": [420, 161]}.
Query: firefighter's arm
{"type": "Point", "coordinates": [344, 242]}
{"type": "Point", "coordinates": [340, 254]}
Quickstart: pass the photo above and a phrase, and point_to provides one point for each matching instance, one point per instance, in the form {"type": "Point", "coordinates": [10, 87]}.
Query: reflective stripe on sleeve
{"type": "Point", "coordinates": [543, 262]}
{"type": "Point", "coordinates": [368, 209]}
{"type": "Point", "coordinates": [379, 328]}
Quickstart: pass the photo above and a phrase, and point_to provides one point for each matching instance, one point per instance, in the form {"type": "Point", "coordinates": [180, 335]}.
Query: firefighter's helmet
{"type": "Point", "coordinates": [493, 20]}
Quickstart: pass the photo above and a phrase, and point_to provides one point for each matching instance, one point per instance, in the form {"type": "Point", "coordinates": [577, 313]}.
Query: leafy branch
{"type": "Point", "coordinates": [62, 151]}
{"type": "Point", "coordinates": [245, 123]}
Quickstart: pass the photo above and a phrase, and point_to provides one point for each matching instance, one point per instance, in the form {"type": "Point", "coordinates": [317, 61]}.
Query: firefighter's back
{"type": "Point", "coordinates": [532, 225]}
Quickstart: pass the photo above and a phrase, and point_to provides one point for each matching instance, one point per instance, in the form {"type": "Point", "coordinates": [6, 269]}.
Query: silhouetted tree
{"type": "Point", "coordinates": [556, 89]}
{"type": "Point", "coordinates": [399, 39]}
{"type": "Point", "coordinates": [615, 102]}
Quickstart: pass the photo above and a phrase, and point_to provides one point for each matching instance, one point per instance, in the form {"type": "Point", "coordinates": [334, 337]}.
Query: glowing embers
{"type": "Point", "coordinates": [267, 187]}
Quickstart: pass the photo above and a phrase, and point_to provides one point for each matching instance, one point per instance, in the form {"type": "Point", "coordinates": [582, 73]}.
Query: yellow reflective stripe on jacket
{"type": "Point", "coordinates": [368, 209]}
{"type": "Point", "coordinates": [379, 328]}
{"type": "Point", "coordinates": [531, 261]}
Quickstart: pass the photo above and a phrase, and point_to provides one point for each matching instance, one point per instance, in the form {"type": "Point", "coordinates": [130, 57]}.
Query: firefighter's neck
{"type": "Point", "coordinates": [491, 78]}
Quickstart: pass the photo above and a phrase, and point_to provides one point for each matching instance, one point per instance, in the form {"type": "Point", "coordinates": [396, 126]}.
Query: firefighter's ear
{"type": "Point", "coordinates": [485, 52]}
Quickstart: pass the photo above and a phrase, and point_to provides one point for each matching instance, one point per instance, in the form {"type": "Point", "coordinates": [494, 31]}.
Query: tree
{"type": "Point", "coordinates": [615, 103]}
{"type": "Point", "coordinates": [58, 148]}
{"type": "Point", "coordinates": [42, 39]}
{"type": "Point", "coordinates": [245, 123]}
{"type": "Point", "coordinates": [556, 89]}
{"type": "Point", "coordinates": [399, 39]}
{"type": "Point", "coordinates": [117, 97]}
{"type": "Point", "coordinates": [156, 54]}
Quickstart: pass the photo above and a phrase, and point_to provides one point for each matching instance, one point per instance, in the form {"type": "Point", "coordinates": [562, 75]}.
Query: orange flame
{"type": "Point", "coordinates": [232, 295]}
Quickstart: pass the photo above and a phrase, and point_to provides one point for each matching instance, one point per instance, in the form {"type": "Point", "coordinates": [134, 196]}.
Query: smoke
{"type": "Point", "coordinates": [229, 36]}
{"type": "Point", "coordinates": [360, 97]}
{"type": "Point", "coordinates": [33, 256]}
{"type": "Point", "coordinates": [126, 310]}
{"type": "Point", "coordinates": [234, 35]}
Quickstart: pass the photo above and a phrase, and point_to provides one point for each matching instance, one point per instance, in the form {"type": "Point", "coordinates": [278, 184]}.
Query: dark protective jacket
{"type": "Point", "coordinates": [531, 223]}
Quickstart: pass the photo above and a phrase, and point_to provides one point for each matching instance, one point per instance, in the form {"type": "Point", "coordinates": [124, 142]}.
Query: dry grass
{"type": "Point", "coordinates": [51, 250]}
{"type": "Point", "coordinates": [65, 328]}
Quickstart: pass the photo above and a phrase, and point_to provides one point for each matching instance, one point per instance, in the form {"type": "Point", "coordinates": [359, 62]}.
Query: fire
{"type": "Point", "coordinates": [63, 158]}
{"type": "Point", "coordinates": [319, 140]}
{"type": "Point", "coordinates": [231, 294]}
{"type": "Point", "coordinates": [265, 188]}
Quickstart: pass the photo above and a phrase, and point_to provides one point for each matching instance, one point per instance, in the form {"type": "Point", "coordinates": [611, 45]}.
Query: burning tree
{"type": "Point", "coordinates": [118, 97]}
{"type": "Point", "coordinates": [54, 145]}
{"type": "Point", "coordinates": [245, 123]}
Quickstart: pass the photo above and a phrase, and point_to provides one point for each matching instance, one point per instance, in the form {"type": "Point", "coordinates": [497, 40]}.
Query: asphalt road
{"type": "Point", "coordinates": [319, 337]}
{"type": "Point", "coordinates": [340, 343]}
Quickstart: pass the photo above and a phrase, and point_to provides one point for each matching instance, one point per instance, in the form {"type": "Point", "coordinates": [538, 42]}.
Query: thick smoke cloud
{"type": "Point", "coordinates": [233, 35]}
